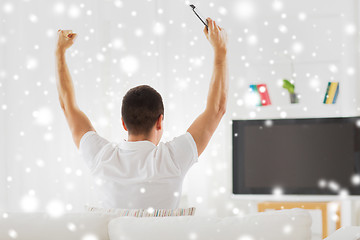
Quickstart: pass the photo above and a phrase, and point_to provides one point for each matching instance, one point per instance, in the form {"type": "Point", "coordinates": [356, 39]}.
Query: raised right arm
{"type": "Point", "coordinates": [78, 122]}
{"type": "Point", "coordinates": [205, 125]}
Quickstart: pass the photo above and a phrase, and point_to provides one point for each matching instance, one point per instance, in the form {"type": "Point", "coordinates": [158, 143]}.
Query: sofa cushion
{"type": "Point", "coordinates": [277, 225]}
{"type": "Point", "coordinates": [348, 233]}
{"type": "Point", "coordinates": [35, 226]}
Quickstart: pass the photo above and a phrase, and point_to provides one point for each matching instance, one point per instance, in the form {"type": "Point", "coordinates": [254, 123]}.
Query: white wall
{"type": "Point", "coordinates": [41, 158]}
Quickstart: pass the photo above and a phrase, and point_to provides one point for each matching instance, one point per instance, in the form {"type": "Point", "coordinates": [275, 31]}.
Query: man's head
{"type": "Point", "coordinates": [142, 111]}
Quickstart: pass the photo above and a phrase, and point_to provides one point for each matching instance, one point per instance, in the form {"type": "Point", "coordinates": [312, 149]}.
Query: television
{"type": "Point", "coordinates": [318, 156]}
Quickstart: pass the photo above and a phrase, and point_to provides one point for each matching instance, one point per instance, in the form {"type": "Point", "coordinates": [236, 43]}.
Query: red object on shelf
{"type": "Point", "coordinates": [264, 94]}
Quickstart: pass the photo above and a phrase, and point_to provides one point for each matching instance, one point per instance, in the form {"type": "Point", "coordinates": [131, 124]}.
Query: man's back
{"type": "Point", "coordinates": [139, 174]}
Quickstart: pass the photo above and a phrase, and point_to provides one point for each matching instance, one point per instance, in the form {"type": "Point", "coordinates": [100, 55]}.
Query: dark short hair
{"type": "Point", "coordinates": [141, 108]}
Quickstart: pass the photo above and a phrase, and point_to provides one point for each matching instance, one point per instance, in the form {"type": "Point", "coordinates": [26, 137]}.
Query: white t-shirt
{"type": "Point", "coordinates": [139, 174]}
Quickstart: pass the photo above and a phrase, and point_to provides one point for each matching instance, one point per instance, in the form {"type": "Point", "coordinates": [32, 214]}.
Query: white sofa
{"type": "Point", "coordinates": [288, 224]}
{"type": "Point", "coordinates": [280, 225]}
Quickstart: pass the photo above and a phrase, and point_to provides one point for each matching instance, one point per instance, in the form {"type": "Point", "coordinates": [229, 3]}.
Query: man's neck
{"type": "Point", "coordinates": [135, 138]}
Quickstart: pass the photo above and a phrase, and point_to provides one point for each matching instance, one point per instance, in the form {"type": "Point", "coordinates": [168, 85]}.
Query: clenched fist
{"type": "Point", "coordinates": [66, 38]}
{"type": "Point", "coordinates": [217, 36]}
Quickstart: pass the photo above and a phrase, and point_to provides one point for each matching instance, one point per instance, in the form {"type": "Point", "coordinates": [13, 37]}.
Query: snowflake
{"type": "Point", "coordinates": [29, 203]}
{"type": "Point", "coordinates": [90, 237]}
{"type": "Point", "coordinates": [74, 11]}
{"type": "Point", "coordinates": [192, 236]}
{"type": "Point", "coordinates": [150, 210]}
{"type": "Point", "coordinates": [277, 5]}
{"type": "Point", "coordinates": [287, 229]}
{"type": "Point", "coordinates": [55, 209]}
{"type": "Point", "coordinates": [283, 114]}
{"type": "Point", "coordinates": [302, 16]}
{"type": "Point", "coordinates": [246, 237]}
{"type": "Point", "coordinates": [33, 18]}
{"type": "Point", "coordinates": [59, 8]}
{"type": "Point", "coordinates": [31, 63]}
{"type": "Point", "coordinates": [350, 29]}
{"type": "Point", "coordinates": [277, 191]}
{"type": "Point", "coordinates": [71, 226]}
{"type": "Point", "coordinates": [118, 3]}
{"type": "Point", "coordinates": [117, 43]}
{"type": "Point", "coordinates": [333, 68]}
{"type": "Point", "coordinates": [159, 28]}
{"type": "Point", "coordinates": [8, 7]}
{"type": "Point", "coordinates": [12, 233]}
{"type": "Point", "coordinates": [129, 64]}
{"type": "Point", "coordinates": [244, 9]}
{"type": "Point", "coordinates": [252, 40]}
{"type": "Point", "coordinates": [139, 32]}
{"type": "Point", "coordinates": [269, 123]}
{"type": "Point", "coordinates": [43, 116]}
{"type": "Point", "coordinates": [355, 179]}
{"type": "Point", "coordinates": [222, 10]}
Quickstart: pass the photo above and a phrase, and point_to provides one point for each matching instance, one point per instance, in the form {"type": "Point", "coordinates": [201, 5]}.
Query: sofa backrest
{"type": "Point", "coordinates": [292, 224]}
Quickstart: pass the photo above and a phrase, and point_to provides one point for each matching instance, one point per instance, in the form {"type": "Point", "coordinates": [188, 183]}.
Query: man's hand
{"type": "Point", "coordinates": [66, 39]}
{"type": "Point", "coordinates": [217, 37]}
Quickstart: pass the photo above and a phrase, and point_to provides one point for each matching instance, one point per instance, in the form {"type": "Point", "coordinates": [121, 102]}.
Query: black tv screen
{"type": "Point", "coordinates": [300, 156]}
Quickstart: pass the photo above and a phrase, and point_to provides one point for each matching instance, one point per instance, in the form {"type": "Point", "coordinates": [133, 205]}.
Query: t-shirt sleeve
{"type": "Point", "coordinates": [92, 147]}
{"type": "Point", "coordinates": [183, 151]}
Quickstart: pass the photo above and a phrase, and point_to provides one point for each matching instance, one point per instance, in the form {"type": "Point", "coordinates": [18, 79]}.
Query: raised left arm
{"type": "Point", "coordinates": [78, 122]}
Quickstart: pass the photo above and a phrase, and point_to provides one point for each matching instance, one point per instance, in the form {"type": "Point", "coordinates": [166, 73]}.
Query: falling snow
{"type": "Point", "coordinates": [55, 208]}
{"type": "Point", "coordinates": [244, 10]}
{"type": "Point", "coordinates": [246, 237]}
{"type": "Point", "coordinates": [29, 203]}
{"type": "Point", "coordinates": [118, 48]}
{"type": "Point", "coordinates": [13, 234]}
{"type": "Point", "coordinates": [129, 64]}
{"type": "Point", "coordinates": [90, 237]}
{"type": "Point", "coordinates": [287, 229]}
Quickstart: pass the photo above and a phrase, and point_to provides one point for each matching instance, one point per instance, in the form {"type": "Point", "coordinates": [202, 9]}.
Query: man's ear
{"type": "Point", "coordinates": [123, 123]}
{"type": "Point", "coordinates": [159, 122]}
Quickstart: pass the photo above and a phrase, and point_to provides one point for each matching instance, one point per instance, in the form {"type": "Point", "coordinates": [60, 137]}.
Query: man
{"type": "Point", "coordinates": [141, 173]}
